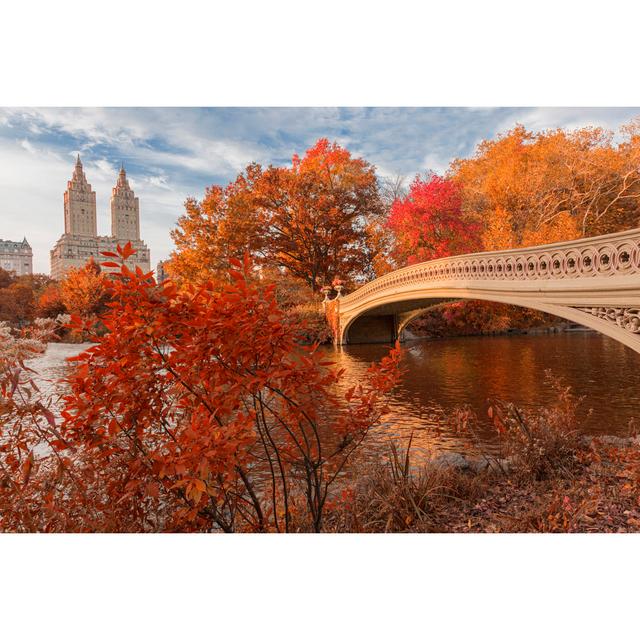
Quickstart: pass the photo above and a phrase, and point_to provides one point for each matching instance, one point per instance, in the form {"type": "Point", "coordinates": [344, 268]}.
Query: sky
{"type": "Point", "coordinates": [173, 153]}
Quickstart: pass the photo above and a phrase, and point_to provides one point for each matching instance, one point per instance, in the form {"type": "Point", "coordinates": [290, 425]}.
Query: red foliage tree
{"type": "Point", "coordinates": [428, 223]}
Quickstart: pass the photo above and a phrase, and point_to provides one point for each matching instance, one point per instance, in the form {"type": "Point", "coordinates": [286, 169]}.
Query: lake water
{"type": "Point", "coordinates": [442, 375]}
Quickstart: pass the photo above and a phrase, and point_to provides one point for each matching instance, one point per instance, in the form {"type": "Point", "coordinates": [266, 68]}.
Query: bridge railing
{"type": "Point", "coordinates": [614, 254]}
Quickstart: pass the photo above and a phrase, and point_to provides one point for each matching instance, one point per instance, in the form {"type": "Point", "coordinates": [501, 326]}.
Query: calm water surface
{"type": "Point", "coordinates": [442, 375]}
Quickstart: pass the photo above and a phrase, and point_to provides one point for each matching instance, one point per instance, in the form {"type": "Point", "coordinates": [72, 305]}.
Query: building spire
{"type": "Point", "coordinates": [78, 173]}
{"type": "Point", "coordinates": [125, 209]}
{"type": "Point", "coordinates": [122, 178]}
{"type": "Point", "coordinates": [79, 204]}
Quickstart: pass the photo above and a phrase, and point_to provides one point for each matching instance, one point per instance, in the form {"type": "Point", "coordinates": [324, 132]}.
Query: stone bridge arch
{"type": "Point", "coordinates": [594, 282]}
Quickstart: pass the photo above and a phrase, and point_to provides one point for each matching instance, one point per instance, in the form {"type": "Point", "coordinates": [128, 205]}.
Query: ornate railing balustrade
{"type": "Point", "coordinates": [592, 281]}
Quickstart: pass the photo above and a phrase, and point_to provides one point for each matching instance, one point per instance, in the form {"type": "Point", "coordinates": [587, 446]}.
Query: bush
{"type": "Point", "coordinates": [476, 317]}
{"type": "Point", "coordinates": [301, 305]}
{"type": "Point", "coordinates": [389, 494]}
{"type": "Point", "coordinates": [312, 323]}
{"type": "Point", "coordinates": [196, 411]}
{"type": "Point", "coordinates": [540, 443]}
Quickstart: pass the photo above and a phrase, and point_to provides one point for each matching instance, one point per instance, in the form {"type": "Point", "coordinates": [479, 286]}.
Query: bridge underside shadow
{"type": "Point", "coordinates": [386, 323]}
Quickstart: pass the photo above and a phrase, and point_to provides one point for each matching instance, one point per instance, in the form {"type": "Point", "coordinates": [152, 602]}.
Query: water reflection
{"type": "Point", "coordinates": [444, 374]}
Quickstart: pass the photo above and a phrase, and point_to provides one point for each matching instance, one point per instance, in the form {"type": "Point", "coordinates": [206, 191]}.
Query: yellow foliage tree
{"type": "Point", "coordinates": [498, 231]}
{"type": "Point", "coordinates": [555, 185]}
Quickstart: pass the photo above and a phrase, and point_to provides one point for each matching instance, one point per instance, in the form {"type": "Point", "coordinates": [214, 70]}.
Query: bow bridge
{"type": "Point", "coordinates": [594, 282]}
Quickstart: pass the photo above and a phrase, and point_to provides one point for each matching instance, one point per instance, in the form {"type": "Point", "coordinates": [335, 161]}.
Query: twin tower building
{"type": "Point", "coordinates": [81, 242]}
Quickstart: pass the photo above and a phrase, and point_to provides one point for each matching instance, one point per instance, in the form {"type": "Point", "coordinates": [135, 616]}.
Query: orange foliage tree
{"type": "Point", "coordinates": [19, 295]}
{"type": "Point", "coordinates": [527, 188]}
{"type": "Point", "coordinates": [50, 302]}
{"type": "Point", "coordinates": [318, 214]}
{"type": "Point", "coordinates": [317, 219]}
{"type": "Point", "coordinates": [224, 225]}
{"type": "Point", "coordinates": [6, 278]}
{"type": "Point", "coordinates": [84, 291]}
{"type": "Point", "coordinates": [17, 304]}
{"type": "Point", "coordinates": [196, 411]}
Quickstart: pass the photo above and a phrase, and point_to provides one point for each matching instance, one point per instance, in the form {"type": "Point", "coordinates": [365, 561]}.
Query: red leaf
{"type": "Point", "coordinates": [128, 250]}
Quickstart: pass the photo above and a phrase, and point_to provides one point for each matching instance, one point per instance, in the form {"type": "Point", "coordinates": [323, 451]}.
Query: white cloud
{"type": "Point", "coordinates": [158, 181]}
{"type": "Point", "coordinates": [32, 184]}
{"type": "Point", "coordinates": [27, 146]}
{"type": "Point", "coordinates": [194, 147]}
{"type": "Point", "coordinates": [177, 153]}
{"type": "Point", "coordinates": [436, 162]}
{"type": "Point", "coordinates": [541, 118]}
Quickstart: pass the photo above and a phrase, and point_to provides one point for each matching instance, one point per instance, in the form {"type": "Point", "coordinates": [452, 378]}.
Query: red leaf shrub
{"type": "Point", "coordinates": [197, 410]}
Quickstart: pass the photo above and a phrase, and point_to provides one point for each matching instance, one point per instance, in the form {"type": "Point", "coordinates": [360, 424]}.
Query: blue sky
{"type": "Point", "coordinates": [170, 154]}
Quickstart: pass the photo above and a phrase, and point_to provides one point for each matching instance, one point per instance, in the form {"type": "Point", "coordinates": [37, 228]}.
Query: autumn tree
{"type": "Point", "coordinates": [19, 296]}
{"type": "Point", "coordinates": [37, 282]}
{"type": "Point", "coordinates": [318, 213]}
{"type": "Point", "coordinates": [428, 222]}
{"type": "Point", "coordinates": [526, 188]}
{"type": "Point", "coordinates": [83, 291]}
{"type": "Point", "coordinates": [6, 278]}
{"type": "Point", "coordinates": [50, 304]}
{"type": "Point", "coordinates": [17, 304]}
{"type": "Point", "coordinates": [316, 219]}
{"type": "Point", "coordinates": [223, 225]}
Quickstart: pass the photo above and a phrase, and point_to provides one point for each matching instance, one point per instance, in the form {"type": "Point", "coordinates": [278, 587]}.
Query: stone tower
{"type": "Point", "coordinates": [80, 205]}
{"type": "Point", "coordinates": [125, 210]}
{"type": "Point", "coordinates": [80, 241]}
